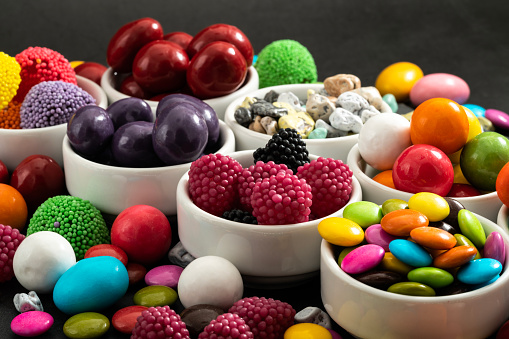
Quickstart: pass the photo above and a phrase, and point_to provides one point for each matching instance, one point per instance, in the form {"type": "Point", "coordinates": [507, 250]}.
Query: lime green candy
{"type": "Point", "coordinates": [86, 325]}
{"type": "Point", "coordinates": [364, 213]}
{"type": "Point", "coordinates": [391, 205]}
{"type": "Point", "coordinates": [431, 276]}
{"type": "Point", "coordinates": [412, 288]}
{"type": "Point", "coordinates": [155, 295]}
{"type": "Point", "coordinates": [432, 205]}
{"type": "Point", "coordinates": [471, 228]}
{"type": "Point", "coordinates": [341, 231]}
{"type": "Point", "coordinates": [461, 240]}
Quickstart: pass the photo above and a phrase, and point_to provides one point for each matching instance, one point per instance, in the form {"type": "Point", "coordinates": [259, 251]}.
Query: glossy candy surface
{"type": "Point", "coordinates": [433, 238]}
{"type": "Point", "coordinates": [86, 325]}
{"type": "Point", "coordinates": [307, 331]}
{"type": "Point", "coordinates": [364, 213]}
{"type": "Point", "coordinates": [471, 228]}
{"type": "Point", "coordinates": [125, 318]}
{"type": "Point", "coordinates": [385, 178]}
{"type": "Point", "coordinates": [433, 206]}
{"type": "Point", "coordinates": [410, 253]}
{"type": "Point", "coordinates": [502, 184]}
{"type": "Point", "coordinates": [479, 271]}
{"type": "Point", "coordinates": [412, 288]}
{"type": "Point", "coordinates": [362, 259]}
{"type": "Point", "coordinates": [128, 110]}
{"type": "Point", "coordinates": [374, 234]}
{"type": "Point", "coordinates": [341, 231]}
{"type": "Point", "coordinates": [398, 79]}
{"type": "Point", "coordinates": [440, 85]}
{"type": "Point", "coordinates": [494, 247]}
{"type": "Point", "coordinates": [180, 38]}
{"type": "Point", "coordinates": [155, 296]}
{"type": "Point", "coordinates": [107, 250]}
{"type": "Point", "coordinates": [390, 205]}
{"type": "Point", "coordinates": [431, 276]}
{"type": "Point", "coordinates": [91, 70]}
{"type": "Point", "coordinates": [402, 222]}
{"type": "Point", "coordinates": [474, 128]}
{"type": "Point", "coordinates": [31, 324]}
{"type": "Point", "coordinates": [165, 275]}
{"type": "Point", "coordinates": [455, 257]}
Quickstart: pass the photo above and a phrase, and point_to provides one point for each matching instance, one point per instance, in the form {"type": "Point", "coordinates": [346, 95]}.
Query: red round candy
{"type": "Point", "coordinates": [107, 250]}
{"type": "Point", "coordinates": [4, 173]}
{"type": "Point", "coordinates": [463, 191]}
{"type": "Point", "coordinates": [136, 272]}
{"type": "Point", "coordinates": [216, 70]}
{"type": "Point", "coordinates": [91, 70]}
{"type": "Point", "coordinates": [143, 232]}
{"type": "Point", "coordinates": [180, 38]}
{"type": "Point", "coordinates": [423, 168]}
{"type": "Point", "coordinates": [130, 87]}
{"type": "Point", "coordinates": [125, 319]}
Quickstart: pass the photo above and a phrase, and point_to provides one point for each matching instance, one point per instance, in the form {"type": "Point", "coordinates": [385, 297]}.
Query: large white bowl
{"type": "Point", "coordinates": [112, 189]}
{"type": "Point", "coordinates": [17, 144]}
{"type": "Point", "coordinates": [487, 205]}
{"type": "Point", "coordinates": [245, 139]}
{"type": "Point", "coordinates": [502, 218]}
{"type": "Point", "coordinates": [111, 81]}
{"type": "Point", "coordinates": [367, 312]}
{"type": "Point", "coordinates": [264, 255]}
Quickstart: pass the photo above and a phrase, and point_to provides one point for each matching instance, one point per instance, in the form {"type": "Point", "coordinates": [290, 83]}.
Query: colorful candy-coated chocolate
{"type": "Point", "coordinates": [474, 128]}
{"type": "Point", "coordinates": [479, 271]}
{"type": "Point", "coordinates": [494, 247]}
{"type": "Point", "coordinates": [393, 264]}
{"type": "Point", "coordinates": [364, 213]}
{"type": "Point", "coordinates": [155, 296]}
{"type": "Point", "coordinates": [136, 272]}
{"type": "Point", "coordinates": [341, 231]}
{"type": "Point", "coordinates": [379, 279]}
{"type": "Point", "coordinates": [432, 205]}
{"type": "Point", "coordinates": [440, 85]}
{"type": "Point", "coordinates": [401, 222]}
{"type": "Point", "coordinates": [86, 325]}
{"type": "Point", "coordinates": [362, 259]}
{"type": "Point", "coordinates": [412, 288]}
{"type": "Point", "coordinates": [461, 240]}
{"type": "Point", "coordinates": [107, 249]}
{"type": "Point", "coordinates": [398, 79]}
{"type": "Point", "coordinates": [471, 228]}
{"type": "Point", "coordinates": [31, 324]}
{"type": "Point", "coordinates": [124, 319]}
{"type": "Point", "coordinates": [410, 253]}
{"type": "Point", "coordinates": [454, 207]}
{"type": "Point", "coordinates": [390, 205]}
{"type": "Point", "coordinates": [433, 238]}
{"type": "Point", "coordinates": [499, 118]}
{"type": "Point", "coordinates": [476, 109]}
{"type": "Point", "coordinates": [344, 252]}
{"type": "Point", "coordinates": [489, 282]}
{"type": "Point", "coordinates": [307, 331]}
{"type": "Point", "coordinates": [431, 276]}
{"type": "Point", "coordinates": [443, 226]}
{"type": "Point", "coordinates": [165, 275]}
{"type": "Point", "coordinates": [374, 234]}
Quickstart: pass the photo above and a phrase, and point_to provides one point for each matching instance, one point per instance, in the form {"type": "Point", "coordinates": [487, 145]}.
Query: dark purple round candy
{"type": "Point", "coordinates": [180, 134]}
{"type": "Point", "coordinates": [132, 145]}
{"type": "Point", "coordinates": [90, 130]}
{"type": "Point", "coordinates": [128, 110]}
{"type": "Point", "coordinates": [203, 108]}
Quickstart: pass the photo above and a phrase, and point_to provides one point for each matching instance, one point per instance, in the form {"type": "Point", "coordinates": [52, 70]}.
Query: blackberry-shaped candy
{"type": "Point", "coordinates": [10, 238]}
{"type": "Point", "coordinates": [227, 326]}
{"type": "Point", "coordinates": [240, 216]}
{"type": "Point", "coordinates": [284, 147]}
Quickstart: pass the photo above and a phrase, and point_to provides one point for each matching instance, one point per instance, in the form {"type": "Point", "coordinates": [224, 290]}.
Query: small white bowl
{"type": "Point", "coordinates": [112, 189]}
{"type": "Point", "coordinates": [487, 205]}
{"type": "Point", "coordinates": [17, 144]}
{"type": "Point", "coordinates": [111, 81]}
{"type": "Point", "coordinates": [264, 255]}
{"type": "Point", "coordinates": [502, 218]}
{"type": "Point", "coordinates": [367, 312]}
{"type": "Point", "coordinates": [245, 139]}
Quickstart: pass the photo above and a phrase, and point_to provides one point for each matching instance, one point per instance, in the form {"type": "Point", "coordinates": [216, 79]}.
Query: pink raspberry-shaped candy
{"type": "Point", "coordinates": [331, 184]}
{"type": "Point", "coordinates": [281, 199]}
{"type": "Point", "coordinates": [267, 318]}
{"type": "Point", "coordinates": [159, 322]}
{"type": "Point", "coordinates": [10, 238]}
{"type": "Point", "coordinates": [227, 326]}
{"type": "Point", "coordinates": [213, 183]}
{"type": "Point", "coordinates": [254, 174]}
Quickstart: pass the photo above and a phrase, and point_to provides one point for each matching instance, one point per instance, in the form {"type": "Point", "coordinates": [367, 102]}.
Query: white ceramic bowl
{"type": "Point", "coordinates": [112, 189]}
{"type": "Point", "coordinates": [111, 81]}
{"type": "Point", "coordinates": [264, 255]}
{"type": "Point", "coordinates": [488, 205]}
{"type": "Point", "coordinates": [17, 144]}
{"type": "Point", "coordinates": [502, 218]}
{"type": "Point", "coordinates": [245, 139]}
{"type": "Point", "coordinates": [367, 312]}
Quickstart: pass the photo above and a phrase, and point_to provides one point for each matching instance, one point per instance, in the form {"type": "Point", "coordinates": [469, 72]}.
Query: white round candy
{"type": "Point", "coordinates": [210, 280]}
{"type": "Point", "coordinates": [41, 259]}
{"type": "Point", "coordinates": [383, 138]}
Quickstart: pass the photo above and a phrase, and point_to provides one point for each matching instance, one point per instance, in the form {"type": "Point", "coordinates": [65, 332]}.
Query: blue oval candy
{"type": "Point", "coordinates": [410, 253]}
{"type": "Point", "coordinates": [475, 287]}
{"type": "Point", "coordinates": [479, 271]}
{"type": "Point", "coordinates": [476, 109]}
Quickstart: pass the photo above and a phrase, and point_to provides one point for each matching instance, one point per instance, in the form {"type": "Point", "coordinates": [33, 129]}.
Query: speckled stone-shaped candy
{"type": "Point", "coordinates": [319, 107]}
{"type": "Point", "coordinates": [372, 95]}
{"type": "Point", "coordinates": [345, 120]}
{"type": "Point", "coordinates": [256, 125]}
{"type": "Point", "coordinates": [27, 302]}
{"type": "Point", "coordinates": [178, 255]}
{"type": "Point", "coordinates": [243, 116]}
{"type": "Point", "coordinates": [86, 325]}
{"type": "Point", "coordinates": [31, 324]}
{"type": "Point", "coordinates": [368, 113]}
{"type": "Point", "coordinates": [269, 125]}
{"type": "Point", "coordinates": [302, 122]}
{"type": "Point", "coordinates": [352, 102]}
{"type": "Point", "coordinates": [331, 131]}
{"type": "Point", "coordinates": [264, 108]}
{"type": "Point", "coordinates": [291, 99]}
{"type": "Point", "coordinates": [318, 133]}
{"type": "Point", "coordinates": [313, 315]}
{"type": "Point", "coordinates": [340, 83]}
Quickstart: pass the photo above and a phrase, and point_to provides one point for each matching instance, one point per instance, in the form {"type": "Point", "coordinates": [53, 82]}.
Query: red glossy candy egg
{"type": "Point", "coordinates": [107, 250]}
{"type": "Point", "coordinates": [130, 87]}
{"type": "Point", "coordinates": [125, 319]}
{"type": "Point", "coordinates": [4, 173]}
{"type": "Point", "coordinates": [136, 272]}
{"type": "Point", "coordinates": [180, 38]}
{"type": "Point", "coordinates": [91, 70]}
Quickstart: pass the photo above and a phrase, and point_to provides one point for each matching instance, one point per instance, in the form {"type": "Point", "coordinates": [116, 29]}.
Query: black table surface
{"type": "Point", "coordinates": [467, 38]}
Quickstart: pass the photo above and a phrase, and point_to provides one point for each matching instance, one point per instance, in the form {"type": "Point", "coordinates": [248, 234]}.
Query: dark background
{"type": "Point", "coordinates": [467, 38]}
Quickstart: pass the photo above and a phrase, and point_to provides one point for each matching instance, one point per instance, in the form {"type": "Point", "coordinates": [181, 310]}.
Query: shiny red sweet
{"type": "Point", "coordinates": [222, 32]}
{"type": "Point", "coordinates": [91, 70]}
{"type": "Point", "coordinates": [160, 66]}
{"type": "Point", "coordinates": [181, 38]}
{"type": "Point", "coordinates": [136, 272]}
{"type": "Point", "coordinates": [130, 87]}
{"type": "Point", "coordinates": [124, 319]}
{"type": "Point", "coordinates": [4, 173]}
{"type": "Point", "coordinates": [463, 191]}
{"type": "Point", "coordinates": [217, 69]}
{"type": "Point", "coordinates": [107, 250]}
{"type": "Point", "coordinates": [128, 40]}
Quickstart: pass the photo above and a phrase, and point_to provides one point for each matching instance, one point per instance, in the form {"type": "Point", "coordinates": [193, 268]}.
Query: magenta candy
{"type": "Point", "coordinates": [494, 247]}
{"type": "Point", "coordinates": [31, 324]}
{"type": "Point", "coordinates": [374, 234]}
{"type": "Point", "coordinates": [498, 118]}
{"type": "Point", "coordinates": [335, 335]}
{"type": "Point", "coordinates": [165, 275]}
{"type": "Point", "coordinates": [362, 259]}
{"type": "Point", "coordinates": [440, 85]}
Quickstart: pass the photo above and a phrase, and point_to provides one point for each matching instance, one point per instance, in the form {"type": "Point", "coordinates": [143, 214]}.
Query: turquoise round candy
{"type": "Point", "coordinates": [390, 99]}
{"type": "Point", "coordinates": [410, 253]}
{"type": "Point", "coordinates": [471, 228]}
{"type": "Point", "coordinates": [476, 109]}
{"type": "Point", "coordinates": [412, 288]}
{"type": "Point", "coordinates": [364, 213]}
{"type": "Point", "coordinates": [318, 133]}
{"type": "Point", "coordinates": [431, 276]}
{"type": "Point", "coordinates": [479, 271]}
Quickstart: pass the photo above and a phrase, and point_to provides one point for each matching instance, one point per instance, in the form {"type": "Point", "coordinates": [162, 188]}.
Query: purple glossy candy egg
{"type": "Point", "coordinates": [31, 324]}
{"type": "Point", "coordinates": [180, 134]}
{"type": "Point", "coordinates": [203, 108]}
{"type": "Point", "coordinates": [90, 130]}
{"type": "Point", "coordinates": [132, 145]}
{"type": "Point", "coordinates": [498, 118]}
{"type": "Point", "coordinates": [362, 259]}
{"type": "Point", "coordinates": [375, 234]}
{"type": "Point", "coordinates": [494, 247]}
{"type": "Point", "coordinates": [128, 110]}
{"type": "Point", "coordinates": [165, 275]}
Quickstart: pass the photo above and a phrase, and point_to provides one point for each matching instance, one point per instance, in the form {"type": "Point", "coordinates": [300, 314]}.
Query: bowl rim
{"type": "Point", "coordinates": [230, 110]}
{"type": "Point", "coordinates": [183, 192]}
{"type": "Point", "coordinates": [327, 253]}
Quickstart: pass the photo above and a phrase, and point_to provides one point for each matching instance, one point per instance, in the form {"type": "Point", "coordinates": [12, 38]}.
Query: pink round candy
{"type": "Point", "coordinates": [375, 234]}
{"type": "Point", "coordinates": [362, 259]}
{"type": "Point", "coordinates": [498, 118]}
{"type": "Point", "coordinates": [440, 85]}
{"type": "Point", "coordinates": [494, 247]}
{"type": "Point", "coordinates": [31, 324]}
{"type": "Point", "coordinates": [165, 275]}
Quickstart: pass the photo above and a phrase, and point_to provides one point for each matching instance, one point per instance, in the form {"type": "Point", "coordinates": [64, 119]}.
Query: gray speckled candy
{"type": "Point", "coordinates": [243, 116]}
{"type": "Point", "coordinates": [366, 114]}
{"type": "Point", "coordinates": [319, 107]}
{"type": "Point", "coordinates": [291, 99]}
{"type": "Point", "coordinates": [313, 315]}
{"type": "Point", "coordinates": [178, 255]}
{"type": "Point", "coordinates": [331, 131]}
{"type": "Point", "coordinates": [352, 102]}
{"type": "Point", "coordinates": [265, 108]}
{"type": "Point", "coordinates": [269, 125]}
{"type": "Point", "coordinates": [27, 302]}
{"type": "Point", "coordinates": [345, 120]}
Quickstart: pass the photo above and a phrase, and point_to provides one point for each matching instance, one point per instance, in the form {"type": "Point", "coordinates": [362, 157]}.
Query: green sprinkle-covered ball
{"type": "Point", "coordinates": [285, 62]}
{"type": "Point", "coordinates": [75, 219]}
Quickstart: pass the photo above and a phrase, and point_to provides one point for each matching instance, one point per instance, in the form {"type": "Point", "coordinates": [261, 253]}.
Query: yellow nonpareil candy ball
{"type": "Point", "coordinates": [9, 78]}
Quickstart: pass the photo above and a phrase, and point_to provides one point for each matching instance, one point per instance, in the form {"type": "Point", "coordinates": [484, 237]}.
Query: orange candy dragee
{"type": "Point", "coordinates": [455, 257]}
{"type": "Point", "coordinates": [9, 116]}
{"type": "Point", "coordinates": [401, 222]}
{"type": "Point", "coordinates": [385, 178]}
{"type": "Point", "coordinates": [433, 237]}
{"type": "Point", "coordinates": [13, 208]}
{"type": "Point", "coordinates": [440, 122]}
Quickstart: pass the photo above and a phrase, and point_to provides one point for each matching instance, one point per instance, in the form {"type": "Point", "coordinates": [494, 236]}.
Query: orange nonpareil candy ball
{"type": "Point", "coordinates": [13, 208]}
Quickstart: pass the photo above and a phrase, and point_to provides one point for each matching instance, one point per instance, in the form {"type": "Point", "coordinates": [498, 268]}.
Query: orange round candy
{"type": "Point", "coordinates": [401, 222]}
{"type": "Point", "coordinates": [398, 79]}
{"type": "Point", "coordinates": [440, 122]}
{"type": "Point", "coordinates": [13, 208]}
{"type": "Point", "coordinates": [385, 178]}
{"type": "Point", "coordinates": [502, 184]}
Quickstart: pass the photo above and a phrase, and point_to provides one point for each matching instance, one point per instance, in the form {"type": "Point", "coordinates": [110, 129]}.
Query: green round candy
{"type": "Point", "coordinates": [364, 213]}
{"type": "Point", "coordinates": [86, 325]}
{"type": "Point", "coordinates": [482, 158]}
{"type": "Point", "coordinates": [431, 276]}
{"type": "Point", "coordinates": [156, 295]}
{"type": "Point", "coordinates": [471, 228]}
{"type": "Point", "coordinates": [390, 99]}
{"type": "Point", "coordinates": [461, 240]}
{"type": "Point", "coordinates": [391, 205]}
{"type": "Point", "coordinates": [412, 288]}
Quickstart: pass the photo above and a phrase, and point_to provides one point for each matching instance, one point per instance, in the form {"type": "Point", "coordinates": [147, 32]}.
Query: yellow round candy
{"type": "Point", "coordinates": [459, 178]}
{"type": "Point", "coordinates": [76, 63]}
{"type": "Point", "coordinates": [307, 331]}
{"type": "Point", "coordinates": [430, 204]}
{"type": "Point", "coordinates": [474, 128]}
{"type": "Point", "coordinates": [341, 231]}
{"type": "Point", "coordinates": [9, 78]}
{"type": "Point", "coordinates": [398, 79]}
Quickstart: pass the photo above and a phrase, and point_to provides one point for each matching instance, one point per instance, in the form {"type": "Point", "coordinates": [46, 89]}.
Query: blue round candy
{"type": "Point", "coordinates": [479, 271]}
{"type": "Point", "coordinates": [410, 253]}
